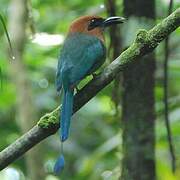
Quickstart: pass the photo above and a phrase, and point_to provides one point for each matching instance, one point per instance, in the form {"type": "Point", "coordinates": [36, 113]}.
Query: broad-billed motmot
{"type": "Point", "coordinates": [82, 54]}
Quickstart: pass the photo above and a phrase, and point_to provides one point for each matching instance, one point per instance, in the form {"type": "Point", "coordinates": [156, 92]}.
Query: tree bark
{"type": "Point", "coordinates": [138, 114]}
{"type": "Point", "coordinates": [26, 113]}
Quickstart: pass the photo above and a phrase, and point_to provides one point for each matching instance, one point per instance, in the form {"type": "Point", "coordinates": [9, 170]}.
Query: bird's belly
{"type": "Point", "coordinates": [96, 66]}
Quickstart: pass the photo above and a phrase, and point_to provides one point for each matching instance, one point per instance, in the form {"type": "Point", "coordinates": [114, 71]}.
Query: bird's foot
{"type": "Point", "coordinates": [77, 89]}
{"type": "Point", "coordinates": [94, 75]}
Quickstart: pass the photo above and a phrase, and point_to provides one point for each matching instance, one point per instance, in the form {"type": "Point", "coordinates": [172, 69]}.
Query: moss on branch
{"type": "Point", "coordinates": [49, 120]}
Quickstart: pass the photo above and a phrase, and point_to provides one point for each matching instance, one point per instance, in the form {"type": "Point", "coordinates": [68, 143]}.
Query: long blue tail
{"type": "Point", "coordinates": [66, 113]}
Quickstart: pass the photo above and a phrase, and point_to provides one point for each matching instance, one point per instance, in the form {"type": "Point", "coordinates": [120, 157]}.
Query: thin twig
{"type": "Point", "coordinates": [8, 38]}
{"type": "Point", "coordinates": [115, 48]}
{"type": "Point", "coordinates": [166, 106]}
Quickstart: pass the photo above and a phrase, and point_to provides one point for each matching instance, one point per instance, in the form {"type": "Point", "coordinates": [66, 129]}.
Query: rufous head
{"type": "Point", "coordinates": [93, 25]}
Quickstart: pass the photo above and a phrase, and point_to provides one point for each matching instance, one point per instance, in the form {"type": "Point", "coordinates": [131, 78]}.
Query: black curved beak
{"type": "Point", "coordinates": [113, 20]}
{"type": "Point", "coordinates": [101, 22]}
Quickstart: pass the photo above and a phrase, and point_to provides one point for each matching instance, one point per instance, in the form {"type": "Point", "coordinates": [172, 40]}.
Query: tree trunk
{"type": "Point", "coordinates": [26, 113]}
{"type": "Point", "coordinates": [138, 107]}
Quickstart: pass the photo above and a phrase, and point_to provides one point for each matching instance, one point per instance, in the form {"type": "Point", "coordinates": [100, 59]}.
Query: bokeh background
{"type": "Point", "coordinates": [94, 149]}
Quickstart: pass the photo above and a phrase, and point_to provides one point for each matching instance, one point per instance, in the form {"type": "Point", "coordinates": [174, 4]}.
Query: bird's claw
{"type": "Point", "coordinates": [94, 75]}
{"type": "Point", "coordinates": [77, 89]}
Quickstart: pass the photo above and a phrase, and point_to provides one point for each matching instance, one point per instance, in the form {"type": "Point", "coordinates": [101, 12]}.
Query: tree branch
{"type": "Point", "coordinates": [145, 42]}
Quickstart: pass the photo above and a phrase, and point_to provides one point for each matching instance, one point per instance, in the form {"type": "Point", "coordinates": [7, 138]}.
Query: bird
{"type": "Point", "coordinates": [83, 52]}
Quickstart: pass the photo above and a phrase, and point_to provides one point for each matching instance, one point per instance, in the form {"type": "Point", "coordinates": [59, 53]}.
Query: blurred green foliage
{"type": "Point", "coordinates": [94, 149]}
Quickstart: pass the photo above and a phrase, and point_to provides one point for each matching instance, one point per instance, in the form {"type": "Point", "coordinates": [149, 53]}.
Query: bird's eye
{"type": "Point", "coordinates": [92, 20]}
{"type": "Point", "coordinates": [95, 22]}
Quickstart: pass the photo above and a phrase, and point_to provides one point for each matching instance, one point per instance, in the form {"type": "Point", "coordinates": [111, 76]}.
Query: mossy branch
{"type": "Point", "coordinates": [145, 42]}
